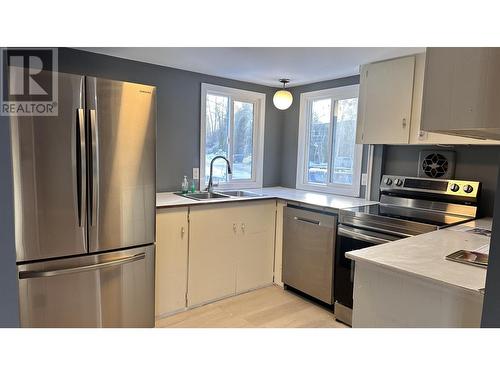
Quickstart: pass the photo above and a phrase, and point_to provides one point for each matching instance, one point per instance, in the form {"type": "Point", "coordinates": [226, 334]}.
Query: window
{"type": "Point", "coordinates": [232, 125]}
{"type": "Point", "coordinates": [329, 159]}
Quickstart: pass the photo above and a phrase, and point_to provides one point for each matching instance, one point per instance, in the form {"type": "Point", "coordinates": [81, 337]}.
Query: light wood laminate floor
{"type": "Point", "coordinates": [270, 307]}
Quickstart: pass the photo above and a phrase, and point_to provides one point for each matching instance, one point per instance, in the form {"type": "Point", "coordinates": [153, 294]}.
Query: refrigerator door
{"type": "Point", "coordinates": [48, 157]}
{"type": "Point", "coordinates": [115, 289]}
{"type": "Point", "coordinates": [122, 161]}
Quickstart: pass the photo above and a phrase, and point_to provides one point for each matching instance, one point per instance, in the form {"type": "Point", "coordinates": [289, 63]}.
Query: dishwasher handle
{"type": "Point", "coordinates": [308, 221]}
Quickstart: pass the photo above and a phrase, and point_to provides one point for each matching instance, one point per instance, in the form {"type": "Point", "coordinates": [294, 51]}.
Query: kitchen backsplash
{"type": "Point", "coordinates": [477, 163]}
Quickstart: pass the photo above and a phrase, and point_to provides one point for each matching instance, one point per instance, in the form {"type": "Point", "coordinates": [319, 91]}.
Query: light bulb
{"type": "Point", "coordinates": [282, 99]}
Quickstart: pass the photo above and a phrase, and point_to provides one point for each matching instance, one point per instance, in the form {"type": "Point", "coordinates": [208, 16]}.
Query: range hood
{"type": "Point", "coordinates": [462, 92]}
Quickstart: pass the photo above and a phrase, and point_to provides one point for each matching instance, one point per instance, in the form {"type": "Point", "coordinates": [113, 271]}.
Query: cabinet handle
{"type": "Point", "coordinates": [182, 232]}
{"type": "Point", "coordinates": [243, 227]}
{"type": "Point", "coordinates": [234, 228]}
{"type": "Point", "coordinates": [404, 123]}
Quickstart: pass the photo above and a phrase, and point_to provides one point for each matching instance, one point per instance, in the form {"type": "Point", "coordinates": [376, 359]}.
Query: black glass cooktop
{"type": "Point", "coordinates": [410, 214]}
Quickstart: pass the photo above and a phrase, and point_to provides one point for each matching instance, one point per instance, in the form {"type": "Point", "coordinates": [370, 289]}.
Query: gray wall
{"type": "Point", "coordinates": [178, 131]}
{"type": "Point", "coordinates": [477, 163]}
{"type": "Point", "coordinates": [491, 306]}
{"type": "Point", "coordinates": [290, 135]}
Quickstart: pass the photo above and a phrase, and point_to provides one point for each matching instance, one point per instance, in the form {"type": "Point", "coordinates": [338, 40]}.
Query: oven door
{"type": "Point", "coordinates": [349, 239]}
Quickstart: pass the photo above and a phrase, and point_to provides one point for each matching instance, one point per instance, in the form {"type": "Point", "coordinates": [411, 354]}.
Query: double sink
{"type": "Point", "coordinates": [206, 195]}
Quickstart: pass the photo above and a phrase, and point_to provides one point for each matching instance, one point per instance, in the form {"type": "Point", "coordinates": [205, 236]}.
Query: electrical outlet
{"type": "Point", "coordinates": [364, 179]}
{"type": "Point", "coordinates": [196, 173]}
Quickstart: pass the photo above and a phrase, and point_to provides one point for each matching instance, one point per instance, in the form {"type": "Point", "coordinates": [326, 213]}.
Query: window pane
{"type": "Point", "coordinates": [344, 141]}
{"type": "Point", "coordinates": [216, 138]}
{"type": "Point", "coordinates": [242, 141]}
{"type": "Point", "coordinates": [317, 165]}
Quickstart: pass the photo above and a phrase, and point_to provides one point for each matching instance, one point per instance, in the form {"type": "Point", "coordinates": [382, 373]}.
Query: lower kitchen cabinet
{"type": "Point", "coordinates": [231, 249]}
{"type": "Point", "coordinates": [278, 246]}
{"type": "Point", "coordinates": [212, 259]}
{"type": "Point", "coordinates": [171, 260]}
{"type": "Point", "coordinates": [255, 247]}
{"type": "Point", "coordinates": [385, 298]}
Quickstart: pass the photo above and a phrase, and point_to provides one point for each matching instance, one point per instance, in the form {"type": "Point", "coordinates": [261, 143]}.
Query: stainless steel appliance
{"type": "Point", "coordinates": [408, 206]}
{"type": "Point", "coordinates": [308, 252]}
{"type": "Point", "coordinates": [84, 190]}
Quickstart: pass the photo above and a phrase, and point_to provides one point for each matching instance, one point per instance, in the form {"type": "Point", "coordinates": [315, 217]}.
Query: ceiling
{"type": "Point", "coordinates": [262, 65]}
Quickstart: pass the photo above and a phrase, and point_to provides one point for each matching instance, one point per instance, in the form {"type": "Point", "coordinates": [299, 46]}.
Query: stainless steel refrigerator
{"type": "Point", "coordinates": [84, 191]}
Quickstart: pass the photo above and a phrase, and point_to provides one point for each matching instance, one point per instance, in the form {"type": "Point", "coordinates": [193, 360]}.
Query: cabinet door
{"type": "Point", "coordinates": [255, 248]}
{"type": "Point", "coordinates": [212, 256]}
{"type": "Point", "coordinates": [461, 91]}
{"type": "Point", "coordinates": [420, 136]}
{"type": "Point", "coordinates": [452, 90]}
{"type": "Point", "coordinates": [171, 259]}
{"type": "Point", "coordinates": [278, 245]}
{"type": "Point", "coordinates": [386, 101]}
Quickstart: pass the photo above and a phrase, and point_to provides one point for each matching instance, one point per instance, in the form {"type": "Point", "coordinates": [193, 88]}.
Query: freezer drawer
{"type": "Point", "coordinates": [114, 289]}
{"type": "Point", "coordinates": [308, 252]}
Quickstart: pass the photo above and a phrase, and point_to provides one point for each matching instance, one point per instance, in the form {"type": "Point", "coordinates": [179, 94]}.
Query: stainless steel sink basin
{"type": "Point", "coordinates": [204, 195]}
{"type": "Point", "coordinates": [240, 193]}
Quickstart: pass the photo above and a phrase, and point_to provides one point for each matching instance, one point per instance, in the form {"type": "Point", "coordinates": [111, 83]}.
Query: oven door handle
{"type": "Point", "coordinates": [342, 231]}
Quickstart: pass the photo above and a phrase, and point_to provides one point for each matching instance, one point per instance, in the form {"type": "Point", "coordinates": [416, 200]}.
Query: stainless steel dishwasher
{"type": "Point", "coordinates": [309, 252]}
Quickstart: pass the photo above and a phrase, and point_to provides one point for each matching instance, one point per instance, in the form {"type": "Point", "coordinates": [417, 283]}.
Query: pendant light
{"type": "Point", "coordinates": [283, 99]}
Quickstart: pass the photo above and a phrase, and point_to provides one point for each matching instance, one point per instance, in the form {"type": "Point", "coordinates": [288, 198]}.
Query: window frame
{"type": "Point", "coordinates": [306, 100]}
{"type": "Point", "coordinates": [259, 102]}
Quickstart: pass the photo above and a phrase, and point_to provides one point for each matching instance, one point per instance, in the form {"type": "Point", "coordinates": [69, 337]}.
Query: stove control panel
{"type": "Point", "coordinates": [459, 188]}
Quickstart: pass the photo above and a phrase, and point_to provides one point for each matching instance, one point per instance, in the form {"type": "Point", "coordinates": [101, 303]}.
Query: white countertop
{"type": "Point", "coordinates": [424, 255]}
{"type": "Point", "coordinates": [169, 199]}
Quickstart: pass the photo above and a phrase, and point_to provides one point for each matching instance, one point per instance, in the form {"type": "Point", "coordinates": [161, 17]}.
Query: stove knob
{"type": "Point", "coordinates": [454, 187]}
{"type": "Point", "coordinates": [388, 181]}
{"type": "Point", "coordinates": [468, 189]}
{"type": "Point", "coordinates": [398, 182]}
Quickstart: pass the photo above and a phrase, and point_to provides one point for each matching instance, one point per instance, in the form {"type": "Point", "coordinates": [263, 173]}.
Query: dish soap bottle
{"type": "Point", "coordinates": [185, 185]}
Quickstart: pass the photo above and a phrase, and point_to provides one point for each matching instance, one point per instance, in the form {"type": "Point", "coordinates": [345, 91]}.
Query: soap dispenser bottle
{"type": "Point", "coordinates": [185, 185]}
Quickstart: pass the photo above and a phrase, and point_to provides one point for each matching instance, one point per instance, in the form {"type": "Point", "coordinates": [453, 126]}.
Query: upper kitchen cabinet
{"type": "Point", "coordinates": [462, 92]}
{"type": "Point", "coordinates": [385, 101]}
{"type": "Point", "coordinates": [382, 123]}
{"type": "Point", "coordinates": [419, 135]}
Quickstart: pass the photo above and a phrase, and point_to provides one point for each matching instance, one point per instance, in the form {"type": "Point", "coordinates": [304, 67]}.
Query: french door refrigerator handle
{"type": "Point", "coordinates": [90, 267]}
{"type": "Point", "coordinates": [81, 169]}
{"type": "Point", "coordinates": [94, 135]}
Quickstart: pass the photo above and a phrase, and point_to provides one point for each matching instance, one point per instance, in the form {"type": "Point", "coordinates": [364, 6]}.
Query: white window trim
{"type": "Point", "coordinates": [259, 101]}
{"type": "Point", "coordinates": [306, 100]}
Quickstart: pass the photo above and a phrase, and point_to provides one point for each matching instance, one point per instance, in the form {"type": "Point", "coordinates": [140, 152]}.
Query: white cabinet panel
{"type": "Point", "coordinates": [385, 103]}
{"type": "Point", "coordinates": [212, 256]}
{"type": "Point", "coordinates": [278, 246]}
{"type": "Point", "coordinates": [385, 298]}
{"type": "Point", "coordinates": [171, 260]}
{"type": "Point", "coordinates": [255, 248]}
{"type": "Point", "coordinates": [419, 136]}
{"type": "Point", "coordinates": [461, 91]}
{"type": "Point", "coordinates": [231, 249]}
